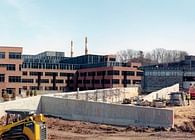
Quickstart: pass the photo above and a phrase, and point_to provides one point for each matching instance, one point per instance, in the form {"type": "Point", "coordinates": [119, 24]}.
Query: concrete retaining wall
{"type": "Point", "coordinates": [115, 114]}
{"type": "Point", "coordinates": [111, 95]}
{"type": "Point", "coordinates": [163, 93]}
{"type": "Point", "coordinates": [32, 103]}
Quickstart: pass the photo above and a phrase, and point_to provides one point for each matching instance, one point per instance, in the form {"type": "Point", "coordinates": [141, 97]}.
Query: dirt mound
{"type": "Point", "coordinates": [187, 127]}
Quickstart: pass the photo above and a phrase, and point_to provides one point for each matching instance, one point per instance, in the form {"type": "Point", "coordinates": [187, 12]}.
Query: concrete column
{"type": "Point", "coordinates": [77, 94]}
{"type": "Point", "coordinates": [86, 96]}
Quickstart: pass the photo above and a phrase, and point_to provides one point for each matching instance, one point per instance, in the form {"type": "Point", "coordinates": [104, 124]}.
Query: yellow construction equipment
{"type": "Point", "coordinates": [23, 125]}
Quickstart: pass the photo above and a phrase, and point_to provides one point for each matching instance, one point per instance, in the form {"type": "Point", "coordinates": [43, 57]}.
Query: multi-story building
{"type": "Point", "coordinates": [162, 75]}
{"type": "Point", "coordinates": [10, 69]}
{"type": "Point", "coordinates": [45, 72]}
{"type": "Point", "coordinates": [53, 71]}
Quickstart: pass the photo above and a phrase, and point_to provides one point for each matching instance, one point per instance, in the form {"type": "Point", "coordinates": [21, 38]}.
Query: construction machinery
{"type": "Point", "coordinates": [23, 125]}
{"type": "Point", "coordinates": [177, 99]}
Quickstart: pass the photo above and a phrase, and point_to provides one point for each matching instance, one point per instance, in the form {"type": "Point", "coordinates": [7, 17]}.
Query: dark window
{"type": "Point", "coordinates": [80, 81]}
{"type": "Point", "coordinates": [113, 72]}
{"type": "Point", "coordinates": [115, 81]}
{"type": "Point", "coordinates": [63, 74]}
{"type": "Point", "coordinates": [24, 73]}
{"type": "Point", "coordinates": [14, 55]}
{"type": "Point", "coordinates": [2, 55]}
{"type": "Point", "coordinates": [32, 73]}
{"type": "Point", "coordinates": [43, 81]}
{"type": "Point", "coordinates": [97, 81]}
{"type": "Point", "coordinates": [14, 79]}
{"type": "Point", "coordinates": [58, 81]}
{"type": "Point", "coordinates": [66, 74]}
{"type": "Point", "coordinates": [11, 67]}
{"type": "Point", "coordinates": [100, 73]}
{"type": "Point", "coordinates": [135, 66]}
{"type": "Point", "coordinates": [139, 73]}
{"type": "Point", "coordinates": [126, 81]}
{"type": "Point", "coordinates": [27, 80]}
{"type": "Point", "coordinates": [87, 81]}
{"type": "Point", "coordinates": [128, 73]}
{"type": "Point", "coordinates": [83, 74]}
{"type": "Point", "coordinates": [51, 73]}
{"type": "Point", "coordinates": [2, 77]}
{"type": "Point", "coordinates": [106, 81]}
{"type": "Point", "coordinates": [10, 90]}
{"type": "Point", "coordinates": [112, 59]}
{"type": "Point", "coordinates": [91, 73]}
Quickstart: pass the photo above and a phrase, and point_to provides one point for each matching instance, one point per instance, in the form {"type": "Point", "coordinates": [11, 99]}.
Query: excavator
{"type": "Point", "coordinates": [23, 125]}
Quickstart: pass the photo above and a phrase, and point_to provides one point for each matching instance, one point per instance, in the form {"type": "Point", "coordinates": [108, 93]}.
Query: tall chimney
{"type": "Point", "coordinates": [71, 45]}
{"type": "Point", "coordinates": [86, 50]}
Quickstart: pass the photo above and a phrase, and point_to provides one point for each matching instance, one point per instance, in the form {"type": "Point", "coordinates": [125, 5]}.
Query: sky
{"type": "Point", "coordinates": [110, 25]}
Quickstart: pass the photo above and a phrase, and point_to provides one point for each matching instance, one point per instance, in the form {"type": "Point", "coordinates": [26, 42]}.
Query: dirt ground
{"type": "Point", "coordinates": [59, 129]}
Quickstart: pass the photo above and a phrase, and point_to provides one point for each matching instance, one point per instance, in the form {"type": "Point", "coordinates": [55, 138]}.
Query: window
{"type": "Point", "coordinates": [129, 73]}
{"type": "Point", "coordinates": [87, 81]}
{"type": "Point", "coordinates": [43, 81]}
{"type": "Point", "coordinates": [115, 81]}
{"type": "Point", "coordinates": [24, 73]}
{"type": "Point", "coordinates": [14, 55]}
{"type": "Point", "coordinates": [14, 79]}
{"type": "Point", "coordinates": [10, 90]}
{"type": "Point", "coordinates": [2, 77]}
{"type": "Point", "coordinates": [91, 73]}
{"type": "Point", "coordinates": [2, 55]}
{"type": "Point", "coordinates": [106, 81]}
{"type": "Point", "coordinates": [113, 72]}
{"type": "Point", "coordinates": [100, 73]}
{"type": "Point", "coordinates": [11, 67]}
{"type": "Point", "coordinates": [58, 81]}
{"type": "Point", "coordinates": [139, 73]}
{"type": "Point", "coordinates": [97, 81]}
{"type": "Point", "coordinates": [126, 81]}
{"type": "Point", "coordinates": [32, 73]}
{"type": "Point", "coordinates": [51, 73]}
{"type": "Point", "coordinates": [27, 80]}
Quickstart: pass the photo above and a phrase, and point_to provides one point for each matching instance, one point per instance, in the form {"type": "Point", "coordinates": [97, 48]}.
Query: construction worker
{"type": "Point", "coordinates": [188, 97]}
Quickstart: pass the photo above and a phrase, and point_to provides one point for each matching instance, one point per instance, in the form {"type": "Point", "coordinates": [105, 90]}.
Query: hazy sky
{"type": "Point", "coordinates": [110, 25]}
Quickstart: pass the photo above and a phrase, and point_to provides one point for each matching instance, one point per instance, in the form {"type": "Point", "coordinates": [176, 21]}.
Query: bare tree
{"type": "Point", "coordinates": [158, 55]}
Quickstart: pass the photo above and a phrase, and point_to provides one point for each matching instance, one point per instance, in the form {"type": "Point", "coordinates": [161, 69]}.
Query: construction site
{"type": "Point", "coordinates": [116, 113]}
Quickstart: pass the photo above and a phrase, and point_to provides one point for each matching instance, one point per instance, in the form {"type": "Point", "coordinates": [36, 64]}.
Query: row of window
{"type": "Point", "coordinates": [12, 55]}
{"type": "Point", "coordinates": [11, 79]}
{"type": "Point", "coordinates": [107, 81]}
{"type": "Point", "coordinates": [163, 73]}
{"type": "Point", "coordinates": [49, 66]}
{"type": "Point", "coordinates": [33, 73]}
{"type": "Point", "coordinates": [44, 88]}
{"type": "Point", "coordinates": [111, 72]}
{"type": "Point", "coordinates": [45, 81]}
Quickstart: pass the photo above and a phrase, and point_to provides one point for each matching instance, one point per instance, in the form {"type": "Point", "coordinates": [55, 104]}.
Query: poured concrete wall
{"type": "Point", "coordinates": [32, 103]}
{"type": "Point", "coordinates": [115, 114]}
{"type": "Point", "coordinates": [163, 93]}
{"type": "Point", "coordinates": [101, 95]}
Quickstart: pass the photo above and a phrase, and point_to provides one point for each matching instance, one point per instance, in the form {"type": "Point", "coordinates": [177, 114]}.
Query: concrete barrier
{"type": "Point", "coordinates": [32, 103]}
{"type": "Point", "coordinates": [114, 114]}
{"type": "Point", "coordinates": [163, 93]}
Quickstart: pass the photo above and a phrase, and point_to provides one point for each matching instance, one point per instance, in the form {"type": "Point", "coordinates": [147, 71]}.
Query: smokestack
{"type": "Point", "coordinates": [71, 51]}
{"type": "Point", "coordinates": [86, 50]}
